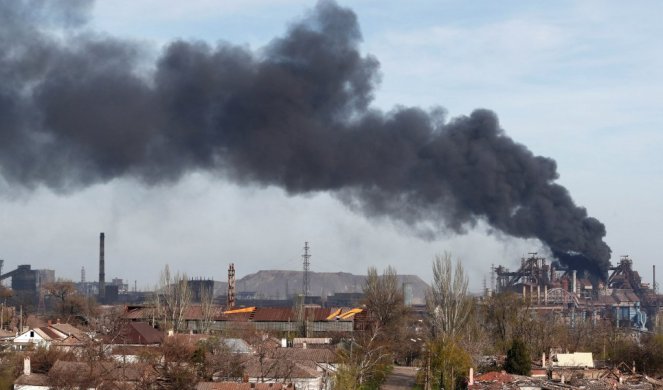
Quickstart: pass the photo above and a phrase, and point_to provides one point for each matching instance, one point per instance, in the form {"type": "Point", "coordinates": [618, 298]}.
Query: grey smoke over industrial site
{"type": "Point", "coordinates": [78, 107]}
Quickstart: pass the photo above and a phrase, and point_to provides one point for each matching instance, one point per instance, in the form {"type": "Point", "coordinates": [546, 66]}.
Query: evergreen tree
{"type": "Point", "coordinates": [517, 359]}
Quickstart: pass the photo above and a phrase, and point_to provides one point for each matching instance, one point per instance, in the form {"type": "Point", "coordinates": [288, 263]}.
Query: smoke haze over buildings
{"type": "Point", "coordinates": [78, 108]}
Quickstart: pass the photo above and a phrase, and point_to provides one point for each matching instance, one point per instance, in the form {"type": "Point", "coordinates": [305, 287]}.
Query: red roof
{"type": "Point", "coordinates": [137, 333]}
{"type": "Point", "coordinates": [285, 314]}
{"type": "Point", "coordinates": [264, 314]}
{"type": "Point", "coordinates": [494, 376]}
{"type": "Point", "coordinates": [280, 314]}
{"type": "Point", "coordinates": [316, 355]}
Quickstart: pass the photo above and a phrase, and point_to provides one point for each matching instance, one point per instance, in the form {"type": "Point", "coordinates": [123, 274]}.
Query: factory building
{"type": "Point", "coordinates": [622, 298]}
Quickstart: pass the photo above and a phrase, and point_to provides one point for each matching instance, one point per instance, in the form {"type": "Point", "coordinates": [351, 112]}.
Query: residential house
{"type": "Point", "coordinates": [38, 337]}
{"type": "Point", "coordinates": [306, 369]}
{"type": "Point", "coordinates": [133, 339]}
{"type": "Point", "coordinates": [87, 375]}
{"type": "Point", "coordinates": [59, 335]}
{"type": "Point", "coordinates": [270, 370]}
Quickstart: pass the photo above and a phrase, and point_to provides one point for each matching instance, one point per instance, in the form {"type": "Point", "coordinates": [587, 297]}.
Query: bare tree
{"type": "Point", "coordinates": [384, 296]}
{"type": "Point", "coordinates": [173, 297]}
{"type": "Point", "coordinates": [449, 308]}
{"type": "Point", "coordinates": [448, 303]}
{"type": "Point", "coordinates": [207, 308]}
{"type": "Point", "coordinates": [215, 359]}
{"type": "Point", "coordinates": [365, 362]}
{"type": "Point", "coordinates": [373, 350]}
{"type": "Point", "coordinates": [175, 367]}
{"type": "Point", "coordinates": [62, 290]}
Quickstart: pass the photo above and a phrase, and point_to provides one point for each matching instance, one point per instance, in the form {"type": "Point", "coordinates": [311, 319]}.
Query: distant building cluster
{"type": "Point", "coordinates": [623, 298]}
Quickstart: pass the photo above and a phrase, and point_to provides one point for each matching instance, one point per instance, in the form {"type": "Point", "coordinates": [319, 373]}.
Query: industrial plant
{"type": "Point", "coordinates": [623, 298]}
{"type": "Point", "coordinates": [546, 286]}
{"type": "Point", "coordinates": [195, 308]}
{"type": "Point", "coordinates": [29, 287]}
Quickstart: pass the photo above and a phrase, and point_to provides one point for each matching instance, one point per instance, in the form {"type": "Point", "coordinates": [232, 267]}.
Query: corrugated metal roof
{"type": "Point", "coordinates": [286, 314]}
{"type": "Point", "coordinates": [240, 310]}
{"type": "Point", "coordinates": [319, 313]}
{"type": "Point", "coordinates": [275, 314]}
{"type": "Point", "coordinates": [236, 317]}
{"type": "Point", "coordinates": [280, 314]}
{"type": "Point", "coordinates": [350, 313]}
{"type": "Point", "coordinates": [192, 312]}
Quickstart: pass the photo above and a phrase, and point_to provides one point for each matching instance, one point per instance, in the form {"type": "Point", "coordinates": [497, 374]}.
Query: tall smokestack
{"type": "Point", "coordinates": [231, 286]}
{"type": "Point", "coordinates": [102, 268]}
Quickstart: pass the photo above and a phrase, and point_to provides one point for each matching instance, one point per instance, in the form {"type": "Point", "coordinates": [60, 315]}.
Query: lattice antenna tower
{"type": "Point", "coordinates": [306, 256]}
{"type": "Point", "coordinates": [83, 274]}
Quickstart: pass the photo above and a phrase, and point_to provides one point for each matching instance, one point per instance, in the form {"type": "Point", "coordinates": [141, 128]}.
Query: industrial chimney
{"type": "Point", "coordinates": [231, 286]}
{"type": "Point", "coordinates": [102, 273]}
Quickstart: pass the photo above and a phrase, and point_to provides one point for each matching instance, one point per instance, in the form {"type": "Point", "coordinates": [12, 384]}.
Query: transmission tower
{"type": "Point", "coordinates": [306, 256]}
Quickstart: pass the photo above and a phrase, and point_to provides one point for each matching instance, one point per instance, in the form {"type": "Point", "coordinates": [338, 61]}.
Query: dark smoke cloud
{"type": "Point", "coordinates": [77, 108]}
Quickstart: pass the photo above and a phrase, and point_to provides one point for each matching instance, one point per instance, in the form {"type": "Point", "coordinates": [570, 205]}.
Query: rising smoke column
{"type": "Point", "coordinates": [78, 108]}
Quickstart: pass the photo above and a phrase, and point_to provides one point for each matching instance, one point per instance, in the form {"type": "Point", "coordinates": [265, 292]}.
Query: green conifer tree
{"type": "Point", "coordinates": [517, 359]}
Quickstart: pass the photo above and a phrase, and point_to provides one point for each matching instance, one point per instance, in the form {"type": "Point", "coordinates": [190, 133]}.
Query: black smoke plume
{"type": "Point", "coordinates": [78, 108]}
